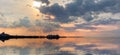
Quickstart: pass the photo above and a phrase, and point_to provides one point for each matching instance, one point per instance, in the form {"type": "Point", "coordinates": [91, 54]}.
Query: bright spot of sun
{"type": "Point", "coordinates": [37, 4]}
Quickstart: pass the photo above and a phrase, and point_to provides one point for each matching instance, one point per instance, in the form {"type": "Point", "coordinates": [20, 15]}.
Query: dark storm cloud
{"type": "Point", "coordinates": [106, 21]}
{"type": "Point", "coordinates": [88, 17]}
{"type": "Point", "coordinates": [25, 22]}
{"type": "Point", "coordinates": [46, 26]}
{"type": "Point", "coordinates": [81, 8]}
{"type": "Point", "coordinates": [64, 53]}
{"type": "Point", "coordinates": [89, 25]}
{"type": "Point", "coordinates": [58, 11]}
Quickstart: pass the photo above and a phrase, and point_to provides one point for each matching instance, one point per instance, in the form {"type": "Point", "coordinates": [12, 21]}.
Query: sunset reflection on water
{"type": "Point", "coordinates": [63, 46]}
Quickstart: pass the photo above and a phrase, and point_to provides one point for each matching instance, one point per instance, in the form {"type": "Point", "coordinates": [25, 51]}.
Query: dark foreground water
{"type": "Point", "coordinates": [64, 46]}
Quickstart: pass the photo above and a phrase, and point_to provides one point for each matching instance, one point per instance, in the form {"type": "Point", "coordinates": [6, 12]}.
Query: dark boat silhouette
{"type": "Point", "coordinates": [4, 37]}
{"type": "Point", "coordinates": [53, 36]}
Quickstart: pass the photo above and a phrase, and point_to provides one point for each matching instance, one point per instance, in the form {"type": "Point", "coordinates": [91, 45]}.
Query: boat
{"type": "Point", "coordinates": [53, 36]}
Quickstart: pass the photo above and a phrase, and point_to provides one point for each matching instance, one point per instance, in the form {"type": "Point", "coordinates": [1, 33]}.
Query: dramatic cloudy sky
{"type": "Point", "coordinates": [64, 17]}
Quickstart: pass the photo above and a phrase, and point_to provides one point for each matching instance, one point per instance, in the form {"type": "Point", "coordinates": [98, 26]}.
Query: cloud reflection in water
{"type": "Point", "coordinates": [67, 46]}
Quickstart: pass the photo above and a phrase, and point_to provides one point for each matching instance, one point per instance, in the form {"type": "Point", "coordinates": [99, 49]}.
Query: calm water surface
{"type": "Point", "coordinates": [63, 46]}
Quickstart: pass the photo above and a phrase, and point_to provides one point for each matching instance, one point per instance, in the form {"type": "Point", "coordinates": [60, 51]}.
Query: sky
{"type": "Point", "coordinates": [64, 17]}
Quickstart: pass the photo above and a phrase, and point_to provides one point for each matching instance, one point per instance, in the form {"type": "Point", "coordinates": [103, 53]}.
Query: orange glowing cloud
{"type": "Point", "coordinates": [105, 27]}
{"type": "Point", "coordinates": [68, 25]}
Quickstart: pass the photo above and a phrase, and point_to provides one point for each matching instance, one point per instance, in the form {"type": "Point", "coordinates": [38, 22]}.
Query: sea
{"type": "Point", "coordinates": [62, 46]}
